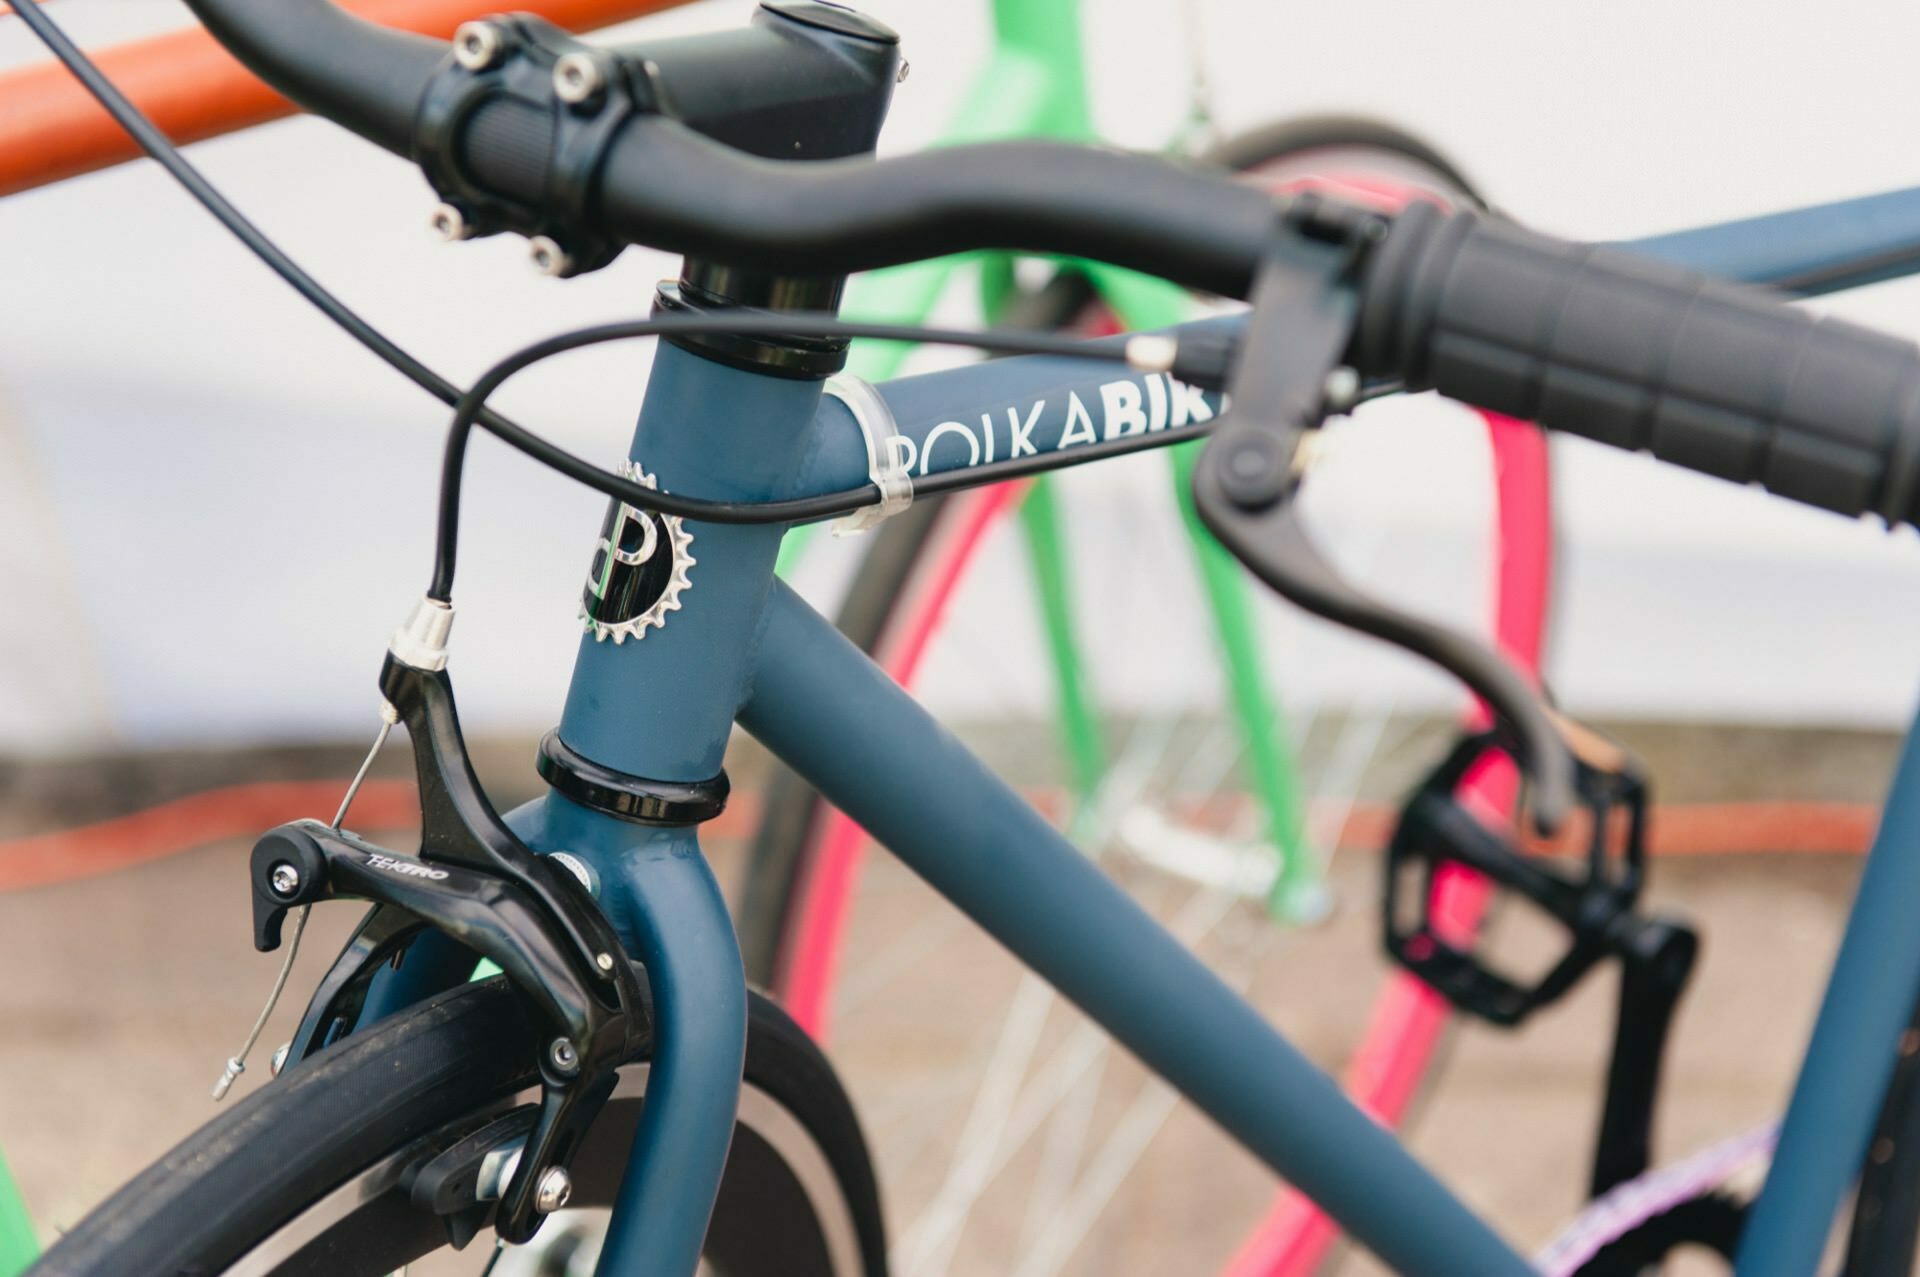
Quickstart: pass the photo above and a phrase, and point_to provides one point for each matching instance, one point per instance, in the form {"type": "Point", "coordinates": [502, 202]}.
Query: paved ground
{"type": "Point", "coordinates": [131, 990]}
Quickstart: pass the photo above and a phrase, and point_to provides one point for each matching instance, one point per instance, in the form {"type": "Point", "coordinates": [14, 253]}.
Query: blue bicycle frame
{"type": "Point", "coordinates": [745, 648]}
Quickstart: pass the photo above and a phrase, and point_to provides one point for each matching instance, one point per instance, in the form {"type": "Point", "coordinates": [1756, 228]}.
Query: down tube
{"type": "Point", "coordinates": [835, 718]}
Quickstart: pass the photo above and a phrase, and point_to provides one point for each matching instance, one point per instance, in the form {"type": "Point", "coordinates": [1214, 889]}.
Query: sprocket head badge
{"type": "Point", "coordinates": [639, 568]}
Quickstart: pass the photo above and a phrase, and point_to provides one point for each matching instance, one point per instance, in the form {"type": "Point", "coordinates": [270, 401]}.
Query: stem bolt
{"type": "Point", "coordinates": [554, 1190]}
{"type": "Point", "coordinates": [447, 223]}
{"type": "Point", "coordinates": [284, 879]}
{"type": "Point", "coordinates": [604, 961]}
{"type": "Point", "coordinates": [577, 78]}
{"type": "Point", "coordinates": [564, 1058]}
{"type": "Point", "coordinates": [900, 76]}
{"type": "Point", "coordinates": [279, 1060]}
{"type": "Point", "coordinates": [548, 257]}
{"type": "Point", "coordinates": [476, 45]}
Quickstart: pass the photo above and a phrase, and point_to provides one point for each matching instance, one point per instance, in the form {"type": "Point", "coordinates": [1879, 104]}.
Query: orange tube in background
{"type": "Point", "coordinates": [52, 129]}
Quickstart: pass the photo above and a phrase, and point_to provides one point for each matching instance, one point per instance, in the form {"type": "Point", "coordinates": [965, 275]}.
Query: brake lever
{"type": "Point", "coordinates": [1289, 375]}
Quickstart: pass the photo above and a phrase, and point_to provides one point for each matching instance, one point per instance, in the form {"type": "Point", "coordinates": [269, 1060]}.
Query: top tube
{"type": "Point", "coordinates": [1826, 248]}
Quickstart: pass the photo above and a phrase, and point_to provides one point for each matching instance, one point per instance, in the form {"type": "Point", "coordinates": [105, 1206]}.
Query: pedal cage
{"type": "Point", "coordinates": [1595, 907]}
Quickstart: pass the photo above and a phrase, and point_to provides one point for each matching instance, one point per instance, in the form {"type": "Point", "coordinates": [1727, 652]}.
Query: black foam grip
{"type": "Point", "coordinates": [1715, 377]}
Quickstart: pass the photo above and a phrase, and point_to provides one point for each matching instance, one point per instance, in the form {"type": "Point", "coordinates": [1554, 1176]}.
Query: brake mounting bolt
{"type": "Point", "coordinates": [284, 879]}
{"type": "Point", "coordinates": [476, 45]}
{"type": "Point", "coordinates": [554, 1190]}
{"type": "Point", "coordinates": [564, 1058]}
{"type": "Point", "coordinates": [1342, 389]}
{"type": "Point", "coordinates": [577, 78]}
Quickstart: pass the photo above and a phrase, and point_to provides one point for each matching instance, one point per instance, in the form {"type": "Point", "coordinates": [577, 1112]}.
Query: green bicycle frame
{"type": "Point", "coordinates": [17, 1246]}
{"type": "Point", "coordinates": [1034, 85]}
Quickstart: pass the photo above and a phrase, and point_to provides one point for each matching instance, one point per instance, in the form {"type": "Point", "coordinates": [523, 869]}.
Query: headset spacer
{"type": "Point", "coordinates": [795, 358]}
{"type": "Point", "coordinates": [635, 798]}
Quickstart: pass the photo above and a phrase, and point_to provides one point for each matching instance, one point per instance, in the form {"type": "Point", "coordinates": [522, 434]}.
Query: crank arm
{"type": "Point", "coordinates": [1656, 958]}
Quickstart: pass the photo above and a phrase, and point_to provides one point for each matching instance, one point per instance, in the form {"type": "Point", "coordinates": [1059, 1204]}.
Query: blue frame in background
{"type": "Point", "coordinates": [746, 647]}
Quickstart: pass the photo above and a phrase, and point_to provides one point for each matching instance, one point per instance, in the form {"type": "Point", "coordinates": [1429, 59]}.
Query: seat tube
{"type": "Point", "coordinates": [669, 633]}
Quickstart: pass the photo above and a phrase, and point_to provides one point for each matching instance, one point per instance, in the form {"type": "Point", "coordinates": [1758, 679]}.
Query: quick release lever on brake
{"type": "Point", "coordinates": [1290, 375]}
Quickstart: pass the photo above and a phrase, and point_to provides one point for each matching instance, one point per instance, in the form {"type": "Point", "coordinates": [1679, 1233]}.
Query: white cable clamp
{"type": "Point", "coordinates": [886, 463]}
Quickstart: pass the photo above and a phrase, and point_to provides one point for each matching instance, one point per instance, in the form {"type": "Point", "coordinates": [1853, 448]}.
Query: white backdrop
{"type": "Point", "coordinates": [213, 507]}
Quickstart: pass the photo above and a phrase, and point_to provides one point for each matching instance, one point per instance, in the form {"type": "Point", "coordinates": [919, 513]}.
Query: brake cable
{"type": "Point", "coordinates": [471, 406]}
{"type": "Point", "coordinates": [1204, 363]}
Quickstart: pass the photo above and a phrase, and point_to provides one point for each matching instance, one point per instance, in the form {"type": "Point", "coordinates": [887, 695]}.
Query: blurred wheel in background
{"type": "Point", "coordinates": [1011, 1137]}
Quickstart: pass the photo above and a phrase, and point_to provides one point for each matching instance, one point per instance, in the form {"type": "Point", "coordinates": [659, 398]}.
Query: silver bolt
{"type": "Point", "coordinates": [900, 76]}
{"type": "Point", "coordinates": [577, 77]}
{"type": "Point", "coordinates": [446, 222]}
{"type": "Point", "coordinates": [555, 1188]}
{"type": "Point", "coordinates": [548, 257]}
{"type": "Point", "coordinates": [476, 45]}
{"type": "Point", "coordinates": [1342, 388]}
{"type": "Point", "coordinates": [563, 1057]}
{"type": "Point", "coordinates": [279, 1060]}
{"type": "Point", "coordinates": [284, 879]}
{"type": "Point", "coordinates": [604, 961]}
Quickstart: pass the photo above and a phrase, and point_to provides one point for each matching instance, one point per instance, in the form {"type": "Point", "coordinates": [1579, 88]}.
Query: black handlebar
{"type": "Point", "coordinates": [664, 185]}
{"type": "Point", "coordinates": [366, 77]}
{"type": "Point", "coordinates": [1649, 357]}
{"type": "Point", "coordinates": [1713, 377]}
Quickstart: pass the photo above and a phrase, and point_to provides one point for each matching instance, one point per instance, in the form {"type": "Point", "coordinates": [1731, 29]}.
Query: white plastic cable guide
{"type": "Point", "coordinates": [886, 463]}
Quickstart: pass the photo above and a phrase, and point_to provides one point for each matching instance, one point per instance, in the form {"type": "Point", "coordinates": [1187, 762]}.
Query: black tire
{"type": "Point", "coordinates": [776, 863]}
{"type": "Point", "coordinates": [273, 1169]}
{"type": "Point", "coordinates": [1269, 142]}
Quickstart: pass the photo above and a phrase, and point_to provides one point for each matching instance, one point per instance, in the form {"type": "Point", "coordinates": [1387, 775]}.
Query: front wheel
{"type": "Point", "coordinates": [308, 1175]}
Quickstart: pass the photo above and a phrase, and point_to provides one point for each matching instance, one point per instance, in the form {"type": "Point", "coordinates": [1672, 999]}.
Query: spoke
{"type": "Point", "coordinates": [923, 1250]}
{"type": "Point", "coordinates": [1129, 1139]}
{"type": "Point", "coordinates": [896, 960]}
{"type": "Point", "coordinates": [1111, 1165]}
{"type": "Point", "coordinates": [932, 1238]}
{"type": "Point", "coordinates": [1066, 1140]}
{"type": "Point", "coordinates": [1353, 754]}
